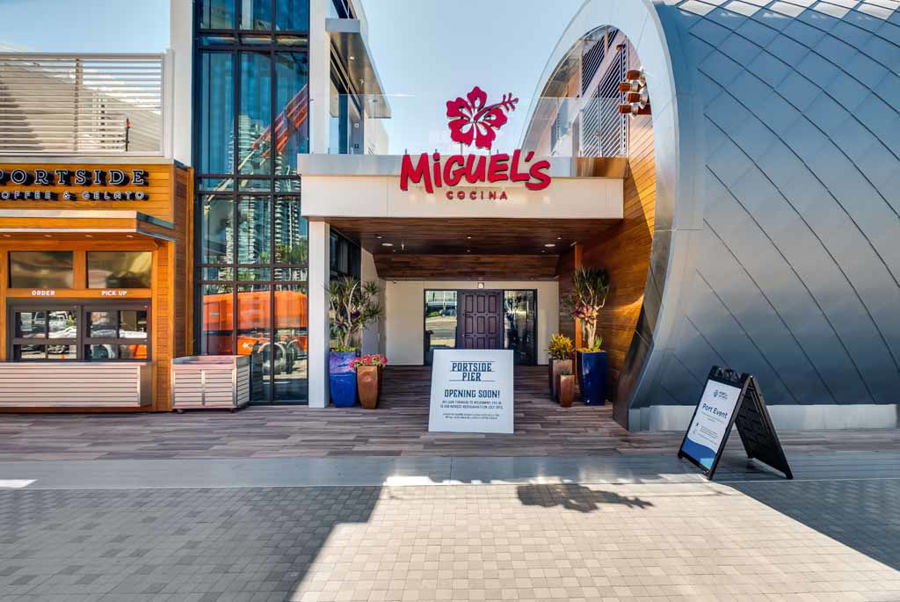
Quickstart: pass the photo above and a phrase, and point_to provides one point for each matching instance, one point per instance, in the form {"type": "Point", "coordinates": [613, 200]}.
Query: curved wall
{"type": "Point", "coordinates": [778, 206]}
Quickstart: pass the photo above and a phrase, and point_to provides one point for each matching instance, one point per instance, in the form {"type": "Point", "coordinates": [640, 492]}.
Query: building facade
{"type": "Point", "coordinates": [731, 166]}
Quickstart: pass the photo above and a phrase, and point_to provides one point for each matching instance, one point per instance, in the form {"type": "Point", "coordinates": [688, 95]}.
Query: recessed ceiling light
{"type": "Point", "coordinates": [379, 236]}
{"type": "Point", "coordinates": [468, 250]}
{"type": "Point", "coordinates": [468, 238]}
{"type": "Point", "coordinates": [550, 245]}
{"type": "Point", "coordinates": [387, 244]}
{"type": "Point", "coordinates": [559, 238]}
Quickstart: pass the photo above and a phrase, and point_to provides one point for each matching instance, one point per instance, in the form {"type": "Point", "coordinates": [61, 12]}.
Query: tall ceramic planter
{"type": "Point", "coordinates": [556, 366]}
{"type": "Point", "coordinates": [342, 379]}
{"type": "Point", "coordinates": [368, 381]}
{"type": "Point", "coordinates": [593, 368]}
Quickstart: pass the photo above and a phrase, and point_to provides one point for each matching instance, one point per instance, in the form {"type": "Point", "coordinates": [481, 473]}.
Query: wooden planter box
{"type": "Point", "coordinates": [211, 382]}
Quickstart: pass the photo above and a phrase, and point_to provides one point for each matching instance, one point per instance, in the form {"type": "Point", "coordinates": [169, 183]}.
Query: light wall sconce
{"type": "Point", "coordinates": [637, 98]}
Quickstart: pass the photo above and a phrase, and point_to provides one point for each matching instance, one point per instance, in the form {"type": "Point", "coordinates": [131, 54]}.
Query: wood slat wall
{"type": "Point", "coordinates": [624, 250]}
{"type": "Point", "coordinates": [159, 203]}
{"type": "Point", "coordinates": [171, 294]}
{"type": "Point", "coordinates": [73, 385]}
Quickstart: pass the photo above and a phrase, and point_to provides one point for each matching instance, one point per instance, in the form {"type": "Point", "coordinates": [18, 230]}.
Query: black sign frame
{"type": "Point", "coordinates": [754, 425]}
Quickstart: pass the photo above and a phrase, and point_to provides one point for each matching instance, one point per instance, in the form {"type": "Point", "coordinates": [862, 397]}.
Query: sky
{"type": "Point", "coordinates": [85, 25]}
{"type": "Point", "coordinates": [426, 51]}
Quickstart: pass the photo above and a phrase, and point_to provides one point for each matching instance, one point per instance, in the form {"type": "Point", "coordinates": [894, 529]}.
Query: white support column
{"type": "Point", "coordinates": [317, 311]}
{"type": "Point", "coordinates": [319, 77]}
{"type": "Point", "coordinates": [179, 90]}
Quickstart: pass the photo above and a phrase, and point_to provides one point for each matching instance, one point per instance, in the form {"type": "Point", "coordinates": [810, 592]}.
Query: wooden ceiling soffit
{"type": "Point", "coordinates": [466, 267]}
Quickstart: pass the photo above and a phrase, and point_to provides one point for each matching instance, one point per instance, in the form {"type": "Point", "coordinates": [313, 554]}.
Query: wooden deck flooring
{"type": "Point", "coordinates": [398, 427]}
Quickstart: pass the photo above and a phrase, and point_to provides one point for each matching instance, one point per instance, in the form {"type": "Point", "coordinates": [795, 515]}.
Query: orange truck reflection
{"type": "Point", "coordinates": [253, 321]}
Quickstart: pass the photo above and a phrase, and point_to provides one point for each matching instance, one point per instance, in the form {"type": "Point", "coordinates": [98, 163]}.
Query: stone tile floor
{"type": "Point", "coordinates": [771, 540]}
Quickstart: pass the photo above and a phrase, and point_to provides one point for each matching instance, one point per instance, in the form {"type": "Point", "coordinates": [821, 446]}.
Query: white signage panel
{"type": "Point", "coordinates": [471, 391]}
{"type": "Point", "coordinates": [711, 422]}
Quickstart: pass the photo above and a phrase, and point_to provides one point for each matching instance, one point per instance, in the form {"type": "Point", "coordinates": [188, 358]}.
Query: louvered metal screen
{"type": "Point", "coordinates": [90, 104]}
{"type": "Point", "coordinates": [604, 129]}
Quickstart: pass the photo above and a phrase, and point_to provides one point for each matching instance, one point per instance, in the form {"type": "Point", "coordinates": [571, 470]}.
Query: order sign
{"type": "Point", "coordinates": [711, 422]}
{"type": "Point", "coordinates": [471, 391]}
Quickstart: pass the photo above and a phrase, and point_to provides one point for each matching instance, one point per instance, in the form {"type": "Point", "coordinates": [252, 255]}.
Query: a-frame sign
{"type": "Point", "coordinates": [731, 399]}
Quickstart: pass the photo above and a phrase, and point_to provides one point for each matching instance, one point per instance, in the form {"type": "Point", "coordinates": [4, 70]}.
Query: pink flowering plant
{"type": "Point", "coordinates": [374, 359]}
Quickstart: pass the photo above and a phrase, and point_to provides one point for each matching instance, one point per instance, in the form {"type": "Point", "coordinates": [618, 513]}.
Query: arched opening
{"type": "Point", "coordinates": [578, 115]}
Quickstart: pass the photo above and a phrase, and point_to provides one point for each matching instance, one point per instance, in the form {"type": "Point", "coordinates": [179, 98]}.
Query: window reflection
{"type": "Point", "coordinates": [290, 233]}
{"type": "Point", "coordinates": [216, 108]}
{"type": "Point", "coordinates": [254, 148]}
{"type": "Point", "coordinates": [41, 269]}
{"type": "Point", "coordinates": [119, 269]}
{"type": "Point", "coordinates": [254, 311]}
{"type": "Point", "coordinates": [254, 231]}
{"type": "Point", "coordinates": [440, 322]}
{"type": "Point", "coordinates": [216, 14]}
{"type": "Point", "coordinates": [290, 338]}
{"type": "Point", "coordinates": [217, 233]}
{"type": "Point", "coordinates": [521, 324]}
{"type": "Point", "coordinates": [292, 98]}
{"type": "Point", "coordinates": [218, 304]}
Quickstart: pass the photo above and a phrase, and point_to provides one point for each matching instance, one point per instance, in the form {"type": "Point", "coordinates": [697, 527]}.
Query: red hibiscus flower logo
{"type": "Point", "coordinates": [472, 119]}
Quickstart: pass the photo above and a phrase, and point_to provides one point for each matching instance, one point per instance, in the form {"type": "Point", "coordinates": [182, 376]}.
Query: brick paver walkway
{"type": "Point", "coordinates": [761, 540]}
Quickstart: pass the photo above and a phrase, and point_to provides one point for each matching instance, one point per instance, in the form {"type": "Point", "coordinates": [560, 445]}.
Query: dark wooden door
{"type": "Point", "coordinates": [479, 320]}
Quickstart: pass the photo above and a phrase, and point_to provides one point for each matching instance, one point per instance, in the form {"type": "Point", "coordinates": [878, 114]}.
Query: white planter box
{"type": "Point", "coordinates": [210, 381]}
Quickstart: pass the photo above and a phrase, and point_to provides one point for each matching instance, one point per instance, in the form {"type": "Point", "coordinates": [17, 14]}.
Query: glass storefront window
{"type": "Point", "coordinates": [292, 15]}
{"type": "Point", "coordinates": [218, 325]}
{"type": "Point", "coordinates": [216, 14]}
{"type": "Point", "coordinates": [254, 230]}
{"type": "Point", "coordinates": [216, 232]}
{"type": "Point", "coordinates": [291, 233]}
{"type": "Point", "coordinates": [520, 334]}
{"type": "Point", "coordinates": [254, 317]}
{"type": "Point", "coordinates": [252, 114]}
{"type": "Point", "coordinates": [41, 269]}
{"type": "Point", "coordinates": [440, 322]}
{"type": "Point", "coordinates": [216, 113]}
{"type": "Point", "coordinates": [256, 15]}
{"type": "Point", "coordinates": [31, 325]}
{"type": "Point", "coordinates": [119, 269]}
{"type": "Point", "coordinates": [290, 337]}
{"type": "Point", "coordinates": [292, 100]}
{"type": "Point", "coordinates": [255, 117]}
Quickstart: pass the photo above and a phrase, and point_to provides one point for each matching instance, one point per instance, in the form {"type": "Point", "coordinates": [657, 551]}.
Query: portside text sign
{"type": "Point", "coordinates": [472, 391]}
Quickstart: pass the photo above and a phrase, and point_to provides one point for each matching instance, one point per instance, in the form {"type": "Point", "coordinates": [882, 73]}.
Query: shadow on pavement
{"type": "Point", "coordinates": [121, 544]}
{"type": "Point", "coordinates": [574, 497]}
{"type": "Point", "coordinates": [863, 514]}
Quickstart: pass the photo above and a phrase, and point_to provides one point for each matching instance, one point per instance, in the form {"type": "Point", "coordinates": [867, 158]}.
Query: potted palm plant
{"type": "Point", "coordinates": [354, 306]}
{"type": "Point", "coordinates": [561, 350]}
{"type": "Point", "coordinates": [368, 378]}
{"type": "Point", "coordinates": [590, 289]}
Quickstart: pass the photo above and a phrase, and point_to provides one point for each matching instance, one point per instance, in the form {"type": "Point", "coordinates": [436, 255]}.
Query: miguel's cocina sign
{"type": "Point", "coordinates": [96, 184]}
{"type": "Point", "coordinates": [473, 121]}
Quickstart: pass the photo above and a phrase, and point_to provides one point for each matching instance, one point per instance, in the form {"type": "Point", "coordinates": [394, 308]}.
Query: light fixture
{"type": "Point", "coordinates": [559, 238]}
{"type": "Point", "coordinates": [468, 250]}
{"type": "Point", "coordinates": [387, 244]}
{"type": "Point", "coordinates": [637, 99]}
{"type": "Point", "coordinates": [352, 58]}
{"type": "Point", "coordinates": [481, 285]}
{"type": "Point", "coordinates": [468, 238]}
{"type": "Point", "coordinates": [550, 245]}
{"type": "Point", "coordinates": [379, 236]}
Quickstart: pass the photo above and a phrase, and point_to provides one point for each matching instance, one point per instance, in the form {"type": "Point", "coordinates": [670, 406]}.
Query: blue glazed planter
{"type": "Point", "coordinates": [342, 379]}
{"type": "Point", "coordinates": [593, 367]}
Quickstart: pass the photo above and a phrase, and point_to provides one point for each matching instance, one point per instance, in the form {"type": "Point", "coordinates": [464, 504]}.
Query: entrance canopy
{"type": "Point", "coordinates": [489, 231]}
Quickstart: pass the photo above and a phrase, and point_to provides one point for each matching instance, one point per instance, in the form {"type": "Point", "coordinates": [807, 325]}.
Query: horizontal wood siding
{"type": "Point", "coordinates": [466, 267]}
{"type": "Point", "coordinates": [74, 385]}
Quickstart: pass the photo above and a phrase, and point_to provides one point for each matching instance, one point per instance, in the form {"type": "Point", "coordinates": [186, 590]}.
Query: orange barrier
{"type": "Point", "coordinates": [254, 314]}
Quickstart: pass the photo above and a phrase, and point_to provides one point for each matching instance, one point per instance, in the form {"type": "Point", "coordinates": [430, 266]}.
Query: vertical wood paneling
{"type": "Point", "coordinates": [624, 250]}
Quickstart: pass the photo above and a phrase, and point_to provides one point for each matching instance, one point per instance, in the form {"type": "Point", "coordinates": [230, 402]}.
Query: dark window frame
{"type": "Point", "coordinates": [80, 307]}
